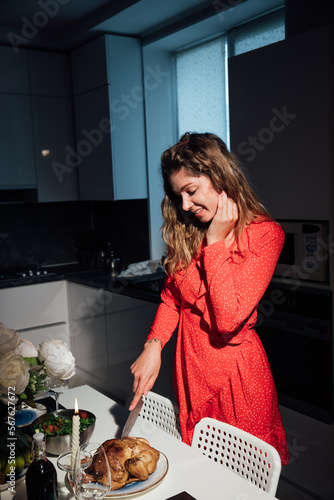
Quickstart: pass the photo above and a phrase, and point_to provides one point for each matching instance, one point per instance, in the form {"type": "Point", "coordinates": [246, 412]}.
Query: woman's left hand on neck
{"type": "Point", "coordinates": [223, 222]}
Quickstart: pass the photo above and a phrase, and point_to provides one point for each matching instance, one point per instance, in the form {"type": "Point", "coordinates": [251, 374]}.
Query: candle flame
{"type": "Point", "coordinates": [76, 407]}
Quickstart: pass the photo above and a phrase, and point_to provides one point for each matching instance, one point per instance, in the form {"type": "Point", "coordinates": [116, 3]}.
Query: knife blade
{"type": "Point", "coordinates": [131, 418]}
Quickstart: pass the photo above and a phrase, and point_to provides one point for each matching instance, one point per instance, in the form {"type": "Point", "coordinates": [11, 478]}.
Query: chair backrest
{"type": "Point", "coordinates": [162, 412]}
{"type": "Point", "coordinates": [246, 455]}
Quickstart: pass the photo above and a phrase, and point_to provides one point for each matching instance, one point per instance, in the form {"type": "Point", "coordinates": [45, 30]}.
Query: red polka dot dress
{"type": "Point", "coordinates": [221, 369]}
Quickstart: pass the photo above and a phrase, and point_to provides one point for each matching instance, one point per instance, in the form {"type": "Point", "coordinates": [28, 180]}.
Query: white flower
{"type": "Point", "coordinates": [9, 339]}
{"type": "Point", "coordinates": [26, 349]}
{"type": "Point", "coordinates": [57, 358]}
{"type": "Point", "coordinates": [14, 372]}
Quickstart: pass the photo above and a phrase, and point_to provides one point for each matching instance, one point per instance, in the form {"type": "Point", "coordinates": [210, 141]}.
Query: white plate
{"type": "Point", "coordinates": [134, 489]}
{"type": "Point", "coordinates": [140, 487]}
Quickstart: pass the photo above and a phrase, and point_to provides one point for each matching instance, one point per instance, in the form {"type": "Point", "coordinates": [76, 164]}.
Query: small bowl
{"type": "Point", "coordinates": [56, 445]}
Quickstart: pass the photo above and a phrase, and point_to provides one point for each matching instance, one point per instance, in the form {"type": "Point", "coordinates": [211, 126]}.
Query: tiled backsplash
{"type": "Point", "coordinates": [49, 233]}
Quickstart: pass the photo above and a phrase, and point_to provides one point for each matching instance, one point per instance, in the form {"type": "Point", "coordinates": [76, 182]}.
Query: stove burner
{"type": "Point", "coordinates": [27, 272]}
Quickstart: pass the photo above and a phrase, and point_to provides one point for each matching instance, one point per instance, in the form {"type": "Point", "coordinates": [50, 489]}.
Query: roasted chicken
{"type": "Point", "coordinates": [130, 460]}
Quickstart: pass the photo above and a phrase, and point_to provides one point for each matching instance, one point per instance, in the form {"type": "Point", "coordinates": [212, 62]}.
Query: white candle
{"type": "Point", "coordinates": [75, 442]}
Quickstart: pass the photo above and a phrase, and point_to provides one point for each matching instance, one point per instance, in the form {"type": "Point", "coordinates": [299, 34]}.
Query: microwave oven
{"type": "Point", "coordinates": [305, 251]}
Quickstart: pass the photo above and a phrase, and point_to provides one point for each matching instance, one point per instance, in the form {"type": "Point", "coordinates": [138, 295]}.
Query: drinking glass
{"type": "Point", "coordinates": [95, 481]}
{"type": "Point", "coordinates": [64, 461]}
{"type": "Point", "coordinates": [54, 387]}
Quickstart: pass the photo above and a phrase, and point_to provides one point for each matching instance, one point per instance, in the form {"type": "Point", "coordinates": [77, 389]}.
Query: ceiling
{"type": "Point", "coordinates": [65, 24]}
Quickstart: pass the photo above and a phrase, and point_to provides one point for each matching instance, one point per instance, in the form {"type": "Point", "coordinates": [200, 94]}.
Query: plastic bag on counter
{"type": "Point", "coordinates": [142, 268]}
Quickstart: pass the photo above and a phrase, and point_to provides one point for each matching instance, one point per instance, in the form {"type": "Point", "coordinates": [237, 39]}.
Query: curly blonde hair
{"type": "Point", "coordinates": [202, 154]}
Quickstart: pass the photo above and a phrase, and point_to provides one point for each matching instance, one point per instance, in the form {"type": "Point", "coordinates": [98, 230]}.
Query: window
{"type": "Point", "coordinates": [201, 88]}
{"type": "Point", "coordinates": [256, 34]}
{"type": "Point", "coordinates": [202, 77]}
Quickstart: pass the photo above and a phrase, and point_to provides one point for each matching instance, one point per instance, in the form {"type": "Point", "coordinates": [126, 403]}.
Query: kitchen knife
{"type": "Point", "coordinates": [131, 418]}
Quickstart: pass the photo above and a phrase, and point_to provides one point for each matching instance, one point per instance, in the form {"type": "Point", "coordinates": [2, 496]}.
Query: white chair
{"type": "Point", "coordinates": [246, 455]}
{"type": "Point", "coordinates": [162, 412]}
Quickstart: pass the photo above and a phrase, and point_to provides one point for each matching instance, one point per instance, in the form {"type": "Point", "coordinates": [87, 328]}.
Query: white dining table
{"type": "Point", "coordinates": [188, 469]}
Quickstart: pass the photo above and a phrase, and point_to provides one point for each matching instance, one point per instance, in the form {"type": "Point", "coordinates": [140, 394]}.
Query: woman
{"type": "Point", "coordinates": [223, 247]}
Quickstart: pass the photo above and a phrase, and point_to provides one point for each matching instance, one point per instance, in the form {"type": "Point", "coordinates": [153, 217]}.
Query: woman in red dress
{"type": "Point", "coordinates": [223, 247]}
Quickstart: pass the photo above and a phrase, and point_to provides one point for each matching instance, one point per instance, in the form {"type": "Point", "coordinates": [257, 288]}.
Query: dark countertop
{"type": "Point", "coordinates": [58, 273]}
{"type": "Point", "coordinates": [146, 287]}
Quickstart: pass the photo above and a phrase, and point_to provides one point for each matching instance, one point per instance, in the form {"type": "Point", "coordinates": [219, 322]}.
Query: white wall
{"type": "Point", "coordinates": [161, 125]}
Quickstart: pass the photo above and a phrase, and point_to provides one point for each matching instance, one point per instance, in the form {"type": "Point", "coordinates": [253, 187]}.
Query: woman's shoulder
{"type": "Point", "coordinates": [261, 228]}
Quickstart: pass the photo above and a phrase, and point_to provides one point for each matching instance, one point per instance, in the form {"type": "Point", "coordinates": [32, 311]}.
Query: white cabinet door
{"type": "Point", "coordinates": [31, 306]}
{"type": "Point", "coordinates": [86, 302]}
{"type": "Point", "coordinates": [88, 333]}
{"type": "Point", "coordinates": [128, 323]}
{"type": "Point", "coordinates": [39, 335]}
{"type": "Point", "coordinates": [57, 178]}
{"type": "Point", "coordinates": [108, 331]}
{"type": "Point", "coordinates": [17, 162]}
{"type": "Point", "coordinates": [89, 347]}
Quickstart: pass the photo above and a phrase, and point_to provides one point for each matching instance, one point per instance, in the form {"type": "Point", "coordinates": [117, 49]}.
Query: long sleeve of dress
{"type": "Point", "coordinates": [236, 284]}
{"type": "Point", "coordinates": [167, 316]}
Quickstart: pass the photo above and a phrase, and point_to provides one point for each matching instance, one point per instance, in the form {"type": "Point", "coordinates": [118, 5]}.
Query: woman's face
{"type": "Point", "coordinates": [197, 193]}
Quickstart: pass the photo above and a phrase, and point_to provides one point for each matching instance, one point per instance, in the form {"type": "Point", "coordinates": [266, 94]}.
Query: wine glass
{"type": "Point", "coordinates": [55, 387]}
{"type": "Point", "coordinates": [64, 461]}
{"type": "Point", "coordinates": [95, 481]}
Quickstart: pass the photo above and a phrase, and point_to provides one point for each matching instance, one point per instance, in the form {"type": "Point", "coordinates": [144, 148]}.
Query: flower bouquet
{"type": "Point", "coordinates": [24, 369]}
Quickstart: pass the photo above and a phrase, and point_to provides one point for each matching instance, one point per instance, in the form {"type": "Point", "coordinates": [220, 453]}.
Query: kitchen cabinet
{"type": "Point", "coordinates": [88, 333]}
{"type": "Point", "coordinates": [38, 312]}
{"type": "Point", "coordinates": [53, 126]}
{"type": "Point", "coordinates": [90, 65]}
{"type": "Point", "coordinates": [309, 474]}
{"type": "Point", "coordinates": [50, 74]}
{"type": "Point", "coordinates": [108, 331]}
{"type": "Point", "coordinates": [109, 119]}
{"type": "Point", "coordinates": [128, 322]}
{"type": "Point", "coordinates": [53, 133]}
{"type": "Point", "coordinates": [17, 155]}
{"type": "Point", "coordinates": [36, 124]}
{"type": "Point", "coordinates": [281, 126]}
{"type": "Point", "coordinates": [14, 77]}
